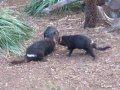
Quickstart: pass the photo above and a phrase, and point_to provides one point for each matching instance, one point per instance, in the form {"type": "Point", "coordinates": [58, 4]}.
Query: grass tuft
{"type": "Point", "coordinates": [34, 7]}
{"type": "Point", "coordinates": [13, 33]}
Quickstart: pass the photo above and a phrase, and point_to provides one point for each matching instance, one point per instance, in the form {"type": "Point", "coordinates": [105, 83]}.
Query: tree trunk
{"type": "Point", "coordinates": [100, 2]}
{"type": "Point", "coordinates": [90, 13]}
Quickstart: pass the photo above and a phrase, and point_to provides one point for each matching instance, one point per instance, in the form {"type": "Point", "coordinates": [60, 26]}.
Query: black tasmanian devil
{"type": "Point", "coordinates": [52, 33]}
{"type": "Point", "coordinates": [80, 42]}
{"type": "Point", "coordinates": [37, 51]}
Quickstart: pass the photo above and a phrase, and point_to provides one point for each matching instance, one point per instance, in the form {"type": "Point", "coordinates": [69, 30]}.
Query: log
{"type": "Point", "coordinates": [113, 22]}
{"type": "Point", "coordinates": [57, 6]}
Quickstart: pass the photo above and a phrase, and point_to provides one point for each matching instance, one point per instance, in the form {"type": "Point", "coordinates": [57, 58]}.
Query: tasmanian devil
{"type": "Point", "coordinates": [52, 33]}
{"type": "Point", "coordinates": [80, 42]}
{"type": "Point", "coordinates": [37, 51]}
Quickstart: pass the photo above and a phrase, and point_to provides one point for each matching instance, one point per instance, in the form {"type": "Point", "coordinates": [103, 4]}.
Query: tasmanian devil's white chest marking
{"type": "Point", "coordinates": [92, 42]}
{"type": "Point", "coordinates": [31, 55]}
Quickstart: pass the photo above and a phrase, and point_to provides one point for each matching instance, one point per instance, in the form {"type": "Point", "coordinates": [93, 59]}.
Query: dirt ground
{"type": "Point", "coordinates": [59, 72]}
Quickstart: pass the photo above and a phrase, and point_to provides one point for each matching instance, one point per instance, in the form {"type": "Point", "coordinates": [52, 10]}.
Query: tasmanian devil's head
{"type": "Point", "coordinates": [63, 41]}
{"type": "Point", "coordinates": [51, 33]}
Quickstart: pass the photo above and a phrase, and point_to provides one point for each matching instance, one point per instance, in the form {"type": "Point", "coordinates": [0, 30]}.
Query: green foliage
{"type": "Point", "coordinates": [75, 6]}
{"type": "Point", "coordinates": [13, 33]}
{"type": "Point", "coordinates": [36, 6]}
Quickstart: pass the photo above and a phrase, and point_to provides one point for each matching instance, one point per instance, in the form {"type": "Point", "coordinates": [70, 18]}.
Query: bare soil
{"type": "Point", "coordinates": [59, 72]}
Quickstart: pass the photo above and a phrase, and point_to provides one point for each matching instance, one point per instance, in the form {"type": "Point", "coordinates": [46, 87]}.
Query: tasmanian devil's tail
{"type": "Point", "coordinates": [100, 48]}
{"type": "Point", "coordinates": [18, 62]}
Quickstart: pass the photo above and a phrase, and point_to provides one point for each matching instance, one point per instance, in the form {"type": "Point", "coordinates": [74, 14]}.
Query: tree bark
{"type": "Point", "coordinates": [90, 13]}
{"type": "Point", "coordinates": [100, 2]}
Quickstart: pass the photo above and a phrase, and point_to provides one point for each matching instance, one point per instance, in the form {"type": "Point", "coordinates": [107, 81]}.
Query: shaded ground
{"type": "Point", "coordinates": [78, 72]}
